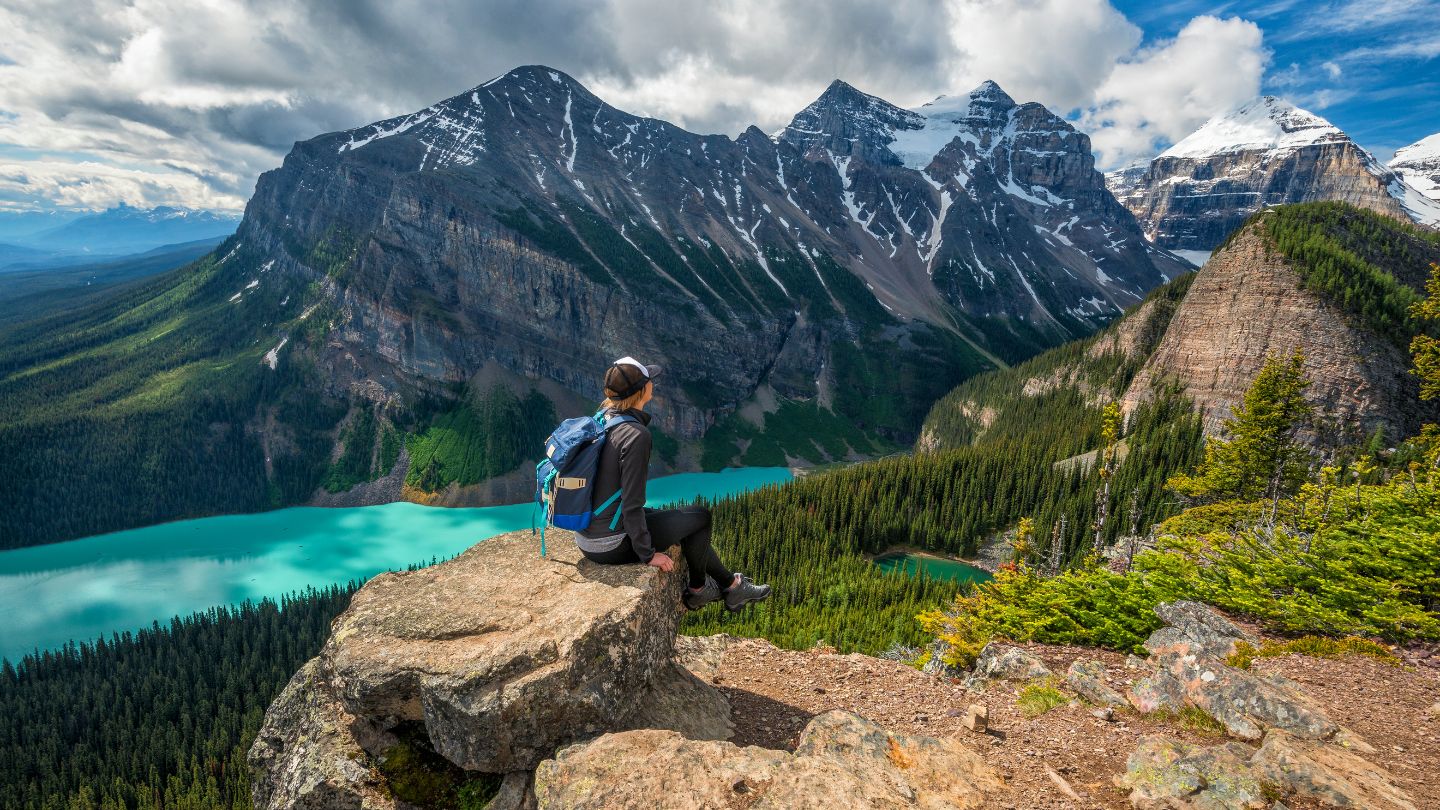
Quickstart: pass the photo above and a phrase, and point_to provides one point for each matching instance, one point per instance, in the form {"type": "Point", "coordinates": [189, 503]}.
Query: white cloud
{"type": "Point", "coordinates": [94, 185]}
{"type": "Point", "coordinates": [174, 101]}
{"type": "Point", "coordinates": [1052, 51]}
{"type": "Point", "coordinates": [1166, 91]}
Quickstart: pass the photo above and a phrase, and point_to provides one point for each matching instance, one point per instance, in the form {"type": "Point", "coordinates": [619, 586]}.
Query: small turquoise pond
{"type": "Point", "coordinates": [936, 567]}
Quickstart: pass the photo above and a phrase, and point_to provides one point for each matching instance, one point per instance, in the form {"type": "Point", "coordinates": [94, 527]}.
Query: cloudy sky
{"type": "Point", "coordinates": [187, 101]}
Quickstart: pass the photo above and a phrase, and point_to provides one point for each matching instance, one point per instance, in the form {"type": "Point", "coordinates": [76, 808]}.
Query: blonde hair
{"type": "Point", "coordinates": [628, 402]}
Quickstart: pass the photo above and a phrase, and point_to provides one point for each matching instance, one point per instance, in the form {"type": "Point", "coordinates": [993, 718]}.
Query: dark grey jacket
{"type": "Point", "coordinates": [624, 462]}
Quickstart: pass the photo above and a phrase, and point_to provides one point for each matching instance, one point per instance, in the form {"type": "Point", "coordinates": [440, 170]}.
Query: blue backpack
{"type": "Point", "coordinates": [565, 478]}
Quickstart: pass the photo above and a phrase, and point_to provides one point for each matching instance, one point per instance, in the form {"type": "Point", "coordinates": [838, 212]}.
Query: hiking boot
{"type": "Point", "coordinates": [710, 592]}
{"type": "Point", "coordinates": [738, 596]}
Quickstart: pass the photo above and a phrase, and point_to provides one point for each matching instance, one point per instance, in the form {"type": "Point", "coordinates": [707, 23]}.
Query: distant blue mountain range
{"type": "Point", "coordinates": [34, 240]}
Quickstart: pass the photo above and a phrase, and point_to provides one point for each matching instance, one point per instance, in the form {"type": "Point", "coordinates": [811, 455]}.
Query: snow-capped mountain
{"type": "Point", "coordinates": [1419, 165]}
{"type": "Point", "coordinates": [128, 229]}
{"type": "Point", "coordinates": [996, 204]}
{"type": "Point", "coordinates": [1264, 152]}
{"type": "Point", "coordinates": [526, 225]}
{"type": "Point", "coordinates": [1266, 124]}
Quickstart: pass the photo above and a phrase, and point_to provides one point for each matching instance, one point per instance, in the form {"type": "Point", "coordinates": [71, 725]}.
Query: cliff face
{"type": "Point", "coordinates": [1249, 302]}
{"type": "Point", "coordinates": [1193, 203]}
{"type": "Point", "coordinates": [1265, 152]}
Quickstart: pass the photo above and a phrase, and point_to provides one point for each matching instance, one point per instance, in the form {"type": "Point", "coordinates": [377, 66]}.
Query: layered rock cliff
{"type": "Point", "coordinates": [1333, 281]}
{"type": "Point", "coordinates": [1264, 153]}
{"type": "Point", "coordinates": [1251, 301]}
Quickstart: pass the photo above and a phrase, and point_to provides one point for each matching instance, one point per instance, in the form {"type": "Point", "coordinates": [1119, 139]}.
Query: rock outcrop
{"type": "Point", "coordinates": [1166, 774]}
{"type": "Point", "coordinates": [1301, 752]}
{"type": "Point", "coordinates": [1002, 662]}
{"type": "Point", "coordinates": [498, 657]}
{"type": "Point", "coordinates": [1189, 669]}
{"type": "Point", "coordinates": [842, 761]}
{"type": "Point", "coordinates": [1248, 303]}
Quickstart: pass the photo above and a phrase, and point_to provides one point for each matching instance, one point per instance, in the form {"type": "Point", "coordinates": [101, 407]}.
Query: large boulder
{"type": "Point", "coordinates": [499, 656]}
{"type": "Point", "coordinates": [1003, 662]}
{"type": "Point", "coordinates": [843, 761]}
{"type": "Point", "coordinates": [1197, 626]}
{"type": "Point", "coordinates": [504, 655]}
{"type": "Point", "coordinates": [1166, 774]}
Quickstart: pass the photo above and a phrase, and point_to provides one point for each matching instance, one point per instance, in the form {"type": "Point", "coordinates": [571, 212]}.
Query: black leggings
{"type": "Point", "coordinates": [687, 526]}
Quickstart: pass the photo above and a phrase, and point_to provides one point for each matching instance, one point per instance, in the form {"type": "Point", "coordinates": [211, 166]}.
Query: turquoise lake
{"type": "Point", "coordinates": [81, 589]}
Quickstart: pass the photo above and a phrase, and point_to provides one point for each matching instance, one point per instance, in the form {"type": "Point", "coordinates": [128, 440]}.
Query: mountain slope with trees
{"type": "Point", "coordinates": [408, 282]}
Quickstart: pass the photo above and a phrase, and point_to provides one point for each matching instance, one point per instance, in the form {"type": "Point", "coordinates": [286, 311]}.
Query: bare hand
{"type": "Point", "coordinates": [662, 561]}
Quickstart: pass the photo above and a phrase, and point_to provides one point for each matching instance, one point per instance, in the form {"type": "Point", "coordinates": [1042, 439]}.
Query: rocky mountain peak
{"type": "Point", "coordinates": [1250, 302]}
{"type": "Point", "coordinates": [1265, 123]}
{"type": "Point", "coordinates": [989, 99]}
{"type": "Point", "coordinates": [535, 77]}
{"type": "Point", "coordinates": [1424, 150]}
{"type": "Point", "coordinates": [846, 121]}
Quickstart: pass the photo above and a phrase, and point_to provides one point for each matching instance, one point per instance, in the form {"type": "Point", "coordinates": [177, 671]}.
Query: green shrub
{"type": "Point", "coordinates": [1039, 697]}
{"type": "Point", "coordinates": [1313, 646]}
{"type": "Point", "coordinates": [1089, 606]}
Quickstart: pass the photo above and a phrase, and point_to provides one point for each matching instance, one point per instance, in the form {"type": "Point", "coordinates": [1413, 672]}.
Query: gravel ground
{"type": "Point", "coordinates": [775, 692]}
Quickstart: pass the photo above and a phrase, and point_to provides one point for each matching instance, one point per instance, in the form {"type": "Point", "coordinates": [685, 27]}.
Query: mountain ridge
{"type": "Point", "coordinates": [1261, 153]}
{"type": "Point", "coordinates": [1280, 283]}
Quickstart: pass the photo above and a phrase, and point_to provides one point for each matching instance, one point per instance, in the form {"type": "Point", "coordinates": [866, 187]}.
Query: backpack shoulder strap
{"type": "Point", "coordinates": [619, 418]}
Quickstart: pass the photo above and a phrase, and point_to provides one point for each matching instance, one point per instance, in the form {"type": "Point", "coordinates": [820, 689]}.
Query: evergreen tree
{"type": "Point", "coordinates": [1261, 457]}
{"type": "Point", "coordinates": [1424, 348]}
{"type": "Point", "coordinates": [1111, 422]}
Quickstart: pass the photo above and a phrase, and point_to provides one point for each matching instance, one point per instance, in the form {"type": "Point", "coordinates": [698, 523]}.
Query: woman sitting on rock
{"type": "Point", "coordinates": [624, 462]}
